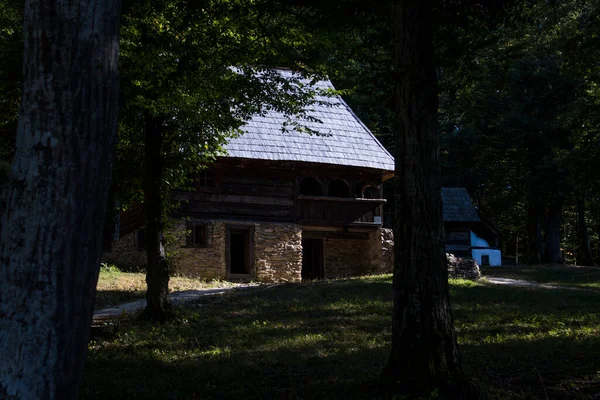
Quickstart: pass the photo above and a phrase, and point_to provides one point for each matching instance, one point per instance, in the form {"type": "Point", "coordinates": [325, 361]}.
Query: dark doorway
{"type": "Point", "coordinates": [240, 263]}
{"type": "Point", "coordinates": [312, 259]}
{"type": "Point", "coordinates": [485, 260]}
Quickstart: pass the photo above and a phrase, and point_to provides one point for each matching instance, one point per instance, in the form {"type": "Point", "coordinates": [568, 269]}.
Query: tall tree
{"type": "Point", "coordinates": [56, 195]}
{"type": "Point", "coordinates": [192, 74]}
{"type": "Point", "coordinates": [425, 353]}
{"type": "Point", "coordinates": [519, 123]}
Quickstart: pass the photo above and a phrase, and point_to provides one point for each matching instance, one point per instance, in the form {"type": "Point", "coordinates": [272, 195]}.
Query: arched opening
{"type": "Point", "coordinates": [311, 187]}
{"type": "Point", "coordinates": [338, 188]}
{"type": "Point", "coordinates": [370, 192]}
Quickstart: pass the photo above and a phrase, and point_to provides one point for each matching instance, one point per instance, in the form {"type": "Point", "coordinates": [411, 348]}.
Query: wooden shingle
{"type": "Point", "coordinates": [343, 139]}
{"type": "Point", "coordinates": [457, 206]}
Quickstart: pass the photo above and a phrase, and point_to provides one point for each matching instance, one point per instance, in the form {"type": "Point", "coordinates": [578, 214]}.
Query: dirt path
{"type": "Point", "coordinates": [181, 297]}
{"type": "Point", "coordinates": [530, 284]}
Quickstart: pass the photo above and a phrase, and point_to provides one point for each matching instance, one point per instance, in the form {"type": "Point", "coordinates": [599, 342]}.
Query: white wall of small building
{"type": "Point", "coordinates": [495, 255]}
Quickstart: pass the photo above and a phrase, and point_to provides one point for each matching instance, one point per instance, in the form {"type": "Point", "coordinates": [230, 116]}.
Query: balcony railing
{"type": "Point", "coordinates": [317, 210]}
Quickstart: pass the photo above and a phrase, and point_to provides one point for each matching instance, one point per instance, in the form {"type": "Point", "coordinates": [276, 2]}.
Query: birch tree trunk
{"type": "Point", "coordinates": [56, 196]}
{"type": "Point", "coordinates": [424, 352]}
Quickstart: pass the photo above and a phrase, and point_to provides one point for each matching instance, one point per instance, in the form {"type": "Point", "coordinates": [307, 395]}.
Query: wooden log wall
{"type": "Point", "coordinates": [263, 190]}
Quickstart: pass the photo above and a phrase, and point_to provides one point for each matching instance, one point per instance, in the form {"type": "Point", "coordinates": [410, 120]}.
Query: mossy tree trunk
{"type": "Point", "coordinates": [51, 238]}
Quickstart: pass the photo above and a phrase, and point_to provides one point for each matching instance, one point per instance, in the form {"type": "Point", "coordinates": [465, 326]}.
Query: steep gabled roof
{"type": "Point", "coordinates": [345, 140]}
{"type": "Point", "coordinates": [458, 206]}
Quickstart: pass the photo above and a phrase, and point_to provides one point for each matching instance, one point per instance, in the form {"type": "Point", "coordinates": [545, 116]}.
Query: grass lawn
{"type": "Point", "coordinates": [117, 287]}
{"type": "Point", "coordinates": [329, 340]}
{"type": "Point", "coordinates": [582, 277]}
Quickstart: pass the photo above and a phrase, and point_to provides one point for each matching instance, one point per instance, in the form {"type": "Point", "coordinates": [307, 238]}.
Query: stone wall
{"type": "Point", "coordinates": [201, 262]}
{"type": "Point", "coordinates": [355, 257]}
{"type": "Point", "coordinates": [278, 252]}
{"type": "Point", "coordinates": [125, 253]}
{"type": "Point", "coordinates": [345, 257]}
{"type": "Point", "coordinates": [386, 263]}
{"type": "Point", "coordinates": [465, 268]}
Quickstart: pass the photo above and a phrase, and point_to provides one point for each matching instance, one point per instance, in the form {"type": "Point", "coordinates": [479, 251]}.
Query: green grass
{"type": "Point", "coordinates": [329, 340]}
{"type": "Point", "coordinates": [116, 287]}
{"type": "Point", "coordinates": [582, 277]}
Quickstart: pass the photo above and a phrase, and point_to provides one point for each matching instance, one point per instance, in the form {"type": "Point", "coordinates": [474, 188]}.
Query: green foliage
{"type": "Point", "coordinates": [11, 54]}
{"type": "Point", "coordinates": [519, 120]}
{"type": "Point", "coordinates": [202, 71]}
{"type": "Point", "coordinates": [329, 340]}
{"type": "Point", "coordinates": [108, 268]}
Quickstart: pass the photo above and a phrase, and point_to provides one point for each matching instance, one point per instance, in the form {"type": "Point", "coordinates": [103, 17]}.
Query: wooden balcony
{"type": "Point", "coordinates": [317, 210]}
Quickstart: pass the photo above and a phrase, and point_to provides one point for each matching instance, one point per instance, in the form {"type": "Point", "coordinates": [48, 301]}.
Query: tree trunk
{"type": "Point", "coordinates": [158, 307]}
{"type": "Point", "coordinates": [584, 255]}
{"type": "Point", "coordinates": [56, 195]}
{"type": "Point", "coordinates": [553, 254]}
{"type": "Point", "coordinates": [598, 232]}
{"type": "Point", "coordinates": [424, 352]}
{"type": "Point", "coordinates": [534, 233]}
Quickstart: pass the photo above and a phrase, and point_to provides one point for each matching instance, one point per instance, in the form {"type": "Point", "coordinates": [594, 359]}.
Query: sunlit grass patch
{"type": "Point", "coordinates": [116, 287]}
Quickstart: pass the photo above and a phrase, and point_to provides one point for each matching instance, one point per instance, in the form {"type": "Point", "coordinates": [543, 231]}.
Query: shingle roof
{"type": "Point", "coordinates": [457, 205]}
{"type": "Point", "coordinates": [345, 140]}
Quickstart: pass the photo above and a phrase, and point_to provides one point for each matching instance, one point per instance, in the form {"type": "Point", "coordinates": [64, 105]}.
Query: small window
{"type": "Point", "coordinates": [206, 179]}
{"type": "Point", "coordinates": [198, 235]}
{"type": "Point", "coordinates": [141, 239]}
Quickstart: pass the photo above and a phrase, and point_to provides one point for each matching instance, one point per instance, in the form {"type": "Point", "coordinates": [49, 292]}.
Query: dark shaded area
{"type": "Point", "coordinates": [312, 259]}
{"type": "Point", "coordinates": [338, 188]}
{"type": "Point", "coordinates": [311, 187]}
{"type": "Point", "coordinates": [331, 339]}
{"type": "Point", "coordinates": [111, 298]}
{"type": "Point", "coordinates": [239, 256]}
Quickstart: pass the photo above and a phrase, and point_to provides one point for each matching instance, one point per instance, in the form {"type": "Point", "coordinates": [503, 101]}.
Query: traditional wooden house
{"type": "Point", "coordinates": [468, 233]}
{"type": "Point", "coordinates": [282, 206]}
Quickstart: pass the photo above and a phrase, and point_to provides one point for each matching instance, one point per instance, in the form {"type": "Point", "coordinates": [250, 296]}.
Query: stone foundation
{"type": "Point", "coordinates": [201, 262]}
{"type": "Point", "coordinates": [346, 257]}
{"type": "Point", "coordinates": [278, 252]}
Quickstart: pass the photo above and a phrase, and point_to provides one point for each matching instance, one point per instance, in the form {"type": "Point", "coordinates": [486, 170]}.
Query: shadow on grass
{"type": "Point", "coordinates": [111, 298]}
{"type": "Point", "coordinates": [330, 340]}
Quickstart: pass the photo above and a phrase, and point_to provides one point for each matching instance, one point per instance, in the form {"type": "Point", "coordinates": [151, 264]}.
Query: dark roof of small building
{"type": "Point", "coordinates": [457, 206]}
{"type": "Point", "coordinates": [343, 139]}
